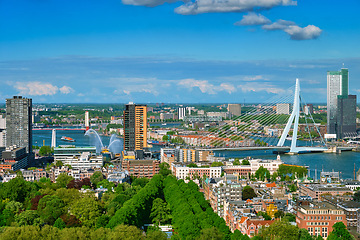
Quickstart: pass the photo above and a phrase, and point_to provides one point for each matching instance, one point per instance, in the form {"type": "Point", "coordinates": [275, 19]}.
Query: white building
{"type": "Point", "coordinates": [181, 113]}
{"type": "Point", "coordinates": [182, 171]}
{"type": "Point", "coordinates": [271, 165]}
{"type": "Point", "coordinates": [78, 157]}
{"type": "Point", "coordinates": [283, 108]}
{"type": "Point", "coordinates": [219, 114]}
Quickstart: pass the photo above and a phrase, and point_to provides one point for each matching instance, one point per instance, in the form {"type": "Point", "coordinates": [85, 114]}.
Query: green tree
{"type": "Point", "coordinates": [160, 212]}
{"type": "Point", "coordinates": [237, 235]}
{"type": "Point", "coordinates": [59, 164]}
{"type": "Point", "coordinates": [216, 164]}
{"type": "Point", "coordinates": [262, 173]}
{"type": "Point", "coordinates": [164, 169]}
{"type": "Point", "coordinates": [141, 181]}
{"type": "Point", "coordinates": [26, 218]}
{"type": "Point", "coordinates": [245, 162]}
{"type": "Point", "coordinates": [165, 138]}
{"type": "Point", "coordinates": [304, 234]}
{"type": "Point", "coordinates": [50, 208]}
{"type": "Point", "coordinates": [193, 165]}
{"type": "Point", "coordinates": [63, 179]}
{"type": "Point", "coordinates": [339, 232]}
{"type": "Point", "coordinates": [96, 177]}
{"type": "Point", "coordinates": [59, 223]}
{"type": "Point", "coordinates": [264, 214]}
{"type": "Point", "coordinates": [280, 230]}
{"type": "Point", "coordinates": [87, 209]}
{"type": "Point", "coordinates": [210, 234]}
{"type": "Point", "coordinates": [248, 193]}
{"type": "Point", "coordinates": [236, 162]}
{"type": "Point", "coordinates": [45, 151]}
{"type": "Point", "coordinates": [356, 196]}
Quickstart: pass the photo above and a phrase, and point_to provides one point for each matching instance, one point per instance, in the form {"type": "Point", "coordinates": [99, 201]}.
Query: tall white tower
{"type": "Point", "coordinates": [87, 124]}
{"type": "Point", "coordinates": [53, 138]}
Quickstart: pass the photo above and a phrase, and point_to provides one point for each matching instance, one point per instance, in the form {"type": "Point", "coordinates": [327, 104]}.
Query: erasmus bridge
{"type": "Point", "coordinates": [267, 126]}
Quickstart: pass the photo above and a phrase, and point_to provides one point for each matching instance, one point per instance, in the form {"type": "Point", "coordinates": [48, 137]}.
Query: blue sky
{"type": "Point", "coordinates": [174, 51]}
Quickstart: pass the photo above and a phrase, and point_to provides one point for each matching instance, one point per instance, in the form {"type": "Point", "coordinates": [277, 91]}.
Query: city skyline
{"type": "Point", "coordinates": [156, 51]}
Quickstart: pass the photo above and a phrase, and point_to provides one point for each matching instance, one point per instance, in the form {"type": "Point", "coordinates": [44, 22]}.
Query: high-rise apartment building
{"type": "Point", "coordinates": [308, 109]}
{"type": "Point", "coordinates": [341, 107]}
{"type": "Point", "coordinates": [181, 113]}
{"type": "Point", "coordinates": [135, 127]}
{"type": "Point", "coordinates": [283, 108]}
{"type": "Point", "coordinates": [234, 109]}
{"type": "Point", "coordinates": [18, 122]}
{"type": "Point", "coordinates": [2, 131]}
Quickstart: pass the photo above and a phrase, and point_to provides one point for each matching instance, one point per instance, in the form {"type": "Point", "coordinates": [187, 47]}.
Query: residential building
{"type": "Point", "coordinates": [135, 127]}
{"type": "Point", "coordinates": [318, 218]}
{"type": "Point", "coordinates": [283, 108]}
{"type": "Point", "coordinates": [314, 190]}
{"type": "Point", "coordinates": [2, 131]}
{"type": "Point", "coordinates": [234, 109]}
{"type": "Point", "coordinates": [350, 208]}
{"type": "Point", "coordinates": [308, 109]}
{"type": "Point", "coordinates": [241, 170]}
{"type": "Point", "coordinates": [141, 168]}
{"type": "Point", "coordinates": [219, 114]}
{"type": "Point", "coordinates": [168, 155]}
{"type": "Point", "coordinates": [181, 113]}
{"type": "Point", "coordinates": [19, 122]}
{"type": "Point", "coordinates": [16, 157]}
{"type": "Point", "coordinates": [166, 116]}
{"type": "Point", "coordinates": [251, 227]}
{"type": "Point", "coordinates": [182, 171]}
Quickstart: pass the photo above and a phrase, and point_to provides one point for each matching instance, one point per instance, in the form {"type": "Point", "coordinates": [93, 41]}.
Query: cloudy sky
{"type": "Point", "coordinates": [186, 51]}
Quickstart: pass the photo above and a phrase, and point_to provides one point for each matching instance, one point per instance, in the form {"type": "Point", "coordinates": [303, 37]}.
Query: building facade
{"type": "Point", "coordinates": [19, 122]}
{"type": "Point", "coordinates": [283, 108]}
{"type": "Point", "coordinates": [135, 127]}
{"type": "Point", "coordinates": [234, 109]}
{"type": "Point", "coordinates": [318, 217]}
{"type": "Point", "coordinates": [141, 168]}
{"type": "Point", "coordinates": [181, 113]}
{"type": "Point", "coordinates": [341, 107]}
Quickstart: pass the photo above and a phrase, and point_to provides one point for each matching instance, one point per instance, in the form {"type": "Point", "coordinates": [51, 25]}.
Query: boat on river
{"type": "Point", "coordinates": [67, 139]}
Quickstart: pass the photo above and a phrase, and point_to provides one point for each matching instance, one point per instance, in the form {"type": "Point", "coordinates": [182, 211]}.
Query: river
{"type": "Point", "coordinates": [343, 162]}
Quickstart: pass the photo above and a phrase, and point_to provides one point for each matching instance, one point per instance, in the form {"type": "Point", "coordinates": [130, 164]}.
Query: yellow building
{"type": "Point", "coordinates": [271, 209]}
{"type": "Point", "coordinates": [135, 127]}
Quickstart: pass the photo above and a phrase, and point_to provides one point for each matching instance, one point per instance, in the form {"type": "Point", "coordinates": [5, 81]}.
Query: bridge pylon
{"type": "Point", "coordinates": [294, 118]}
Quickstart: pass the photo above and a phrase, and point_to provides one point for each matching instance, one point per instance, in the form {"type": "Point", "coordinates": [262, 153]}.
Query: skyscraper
{"type": "Point", "coordinates": [135, 127]}
{"type": "Point", "coordinates": [18, 122]}
{"type": "Point", "coordinates": [341, 106]}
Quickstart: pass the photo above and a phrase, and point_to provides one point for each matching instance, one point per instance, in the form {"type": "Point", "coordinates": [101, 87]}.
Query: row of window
{"type": "Point", "coordinates": [316, 223]}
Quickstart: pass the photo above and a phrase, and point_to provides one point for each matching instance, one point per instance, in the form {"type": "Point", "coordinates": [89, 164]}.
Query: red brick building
{"type": "Point", "coordinates": [141, 168]}
{"type": "Point", "coordinates": [318, 217]}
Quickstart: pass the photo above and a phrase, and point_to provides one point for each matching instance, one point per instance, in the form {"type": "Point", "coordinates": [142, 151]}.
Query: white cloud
{"type": "Point", "coordinates": [206, 87]}
{"type": "Point", "coordinates": [258, 87]}
{"type": "Point", "coordinates": [66, 90]}
{"type": "Point", "coordinates": [81, 95]}
{"type": "Point", "coordinates": [295, 32]}
{"type": "Point", "coordinates": [129, 88]}
{"type": "Point", "coordinates": [36, 88]}
{"type": "Point", "coordinates": [211, 6]}
{"type": "Point", "coordinates": [252, 19]}
{"type": "Point", "coordinates": [147, 3]}
{"type": "Point", "coordinates": [227, 88]}
{"type": "Point", "coordinates": [258, 77]}
{"type": "Point", "coordinates": [306, 33]}
{"type": "Point", "coordinates": [278, 25]}
{"type": "Point", "coordinates": [40, 88]}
